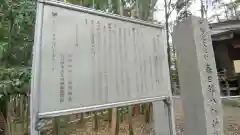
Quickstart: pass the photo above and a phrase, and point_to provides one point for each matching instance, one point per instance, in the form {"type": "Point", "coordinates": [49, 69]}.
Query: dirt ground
{"type": "Point", "coordinates": [231, 118]}
{"type": "Point", "coordinates": [231, 123]}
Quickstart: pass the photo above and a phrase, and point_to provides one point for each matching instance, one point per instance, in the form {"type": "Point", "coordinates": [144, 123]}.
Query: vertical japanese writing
{"type": "Point", "coordinates": [69, 77]}
{"type": "Point", "coordinates": [92, 35]}
{"type": "Point", "coordinates": [53, 40]}
{"type": "Point", "coordinates": [77, 36]}
{"type": "Point", "coordinates": [114, 69]}
{"type": "Point", "coordinates": [144, 61]}
{"type": "Point", "coordinates": [211, 90]}
{"type": "Point", "coordinates": [160, 58]}
{"type": "Point", "coordinates": [62, 79]}
{"type": "Point", "coordinates": [133, 30]}
{"type": "Point", "coordinates": [156, 68]}
{"type": "Point", "coordinates": [140, 57]}
{"type": "Point", "coordinates": [119, 51]}
{"type": "Point", "coordinates": [105, 62]}
{"type": "Point", "coordinates": [99, 72]}
{"type": "Point", "coordinates": [92, 40]}
{"type": "Point", "coordinates": [151, 72]}
{"type": "Point", "coordinates": [126, 60]}
{"type": "Point", "coordinates": [121, 44]}
{"type": "Point", "coordinates": [117, 61]}
{"type": "Point", "coordinates": [109, 47]}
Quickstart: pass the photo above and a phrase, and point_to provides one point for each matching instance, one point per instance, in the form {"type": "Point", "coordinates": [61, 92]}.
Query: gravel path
{"type": "Point", "coordinates": [231, 118]}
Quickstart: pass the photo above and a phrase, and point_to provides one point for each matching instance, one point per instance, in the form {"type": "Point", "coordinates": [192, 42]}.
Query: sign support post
{"type": "Point", "coordinates": [200, 90]}
{"type": "Point", "coordinates": [35, 82]}
{"type": "Point", "coordinates": [163, 115]}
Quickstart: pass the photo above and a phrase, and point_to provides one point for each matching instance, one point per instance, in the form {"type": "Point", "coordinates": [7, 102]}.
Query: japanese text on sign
{"type": "Point", "coordinates": [211, 89]}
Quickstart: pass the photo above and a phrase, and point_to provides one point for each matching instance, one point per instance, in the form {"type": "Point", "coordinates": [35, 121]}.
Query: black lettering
{"type": "Point", "coordinates": [208, 68]}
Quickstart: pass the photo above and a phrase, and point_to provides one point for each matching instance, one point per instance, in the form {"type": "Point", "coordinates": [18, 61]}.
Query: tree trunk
{"type": "Point", "coordinates": [95, 121]}
{"type": "Point", "coordinates": [168, 44]}
{"type": "Point", "coordinates": [8, 126]}
{"type": "Point", "coordinates": [130, 123]}
{"type": "Point", "coordinates": [202, 9]}
{"type": "Point", "coordinates": [55, 130]}
{"type": "Point", "coordinates": [121, 8]}
{"type": "Point", "coordinates": [114, 122]}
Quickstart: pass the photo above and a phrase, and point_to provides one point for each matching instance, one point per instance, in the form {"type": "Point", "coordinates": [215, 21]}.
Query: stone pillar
{"type": "Point", "coordinates": [199, 85]}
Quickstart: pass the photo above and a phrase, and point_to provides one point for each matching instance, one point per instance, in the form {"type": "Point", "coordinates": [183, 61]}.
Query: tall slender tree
{"type": "Point", "coordinates": [16, 42]}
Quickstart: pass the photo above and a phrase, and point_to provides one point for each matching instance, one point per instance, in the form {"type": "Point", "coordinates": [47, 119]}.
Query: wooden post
{"type": "Point", "coordinates": [55, 128]}
{"type": "Point", "coordinates": [130, 122]}
{"type": "Point", "coordinates": [95, 121]}
{"type": "Point", "coordinates": [114, 122]}
{"type": "Point", "coordinates": [199, 85]}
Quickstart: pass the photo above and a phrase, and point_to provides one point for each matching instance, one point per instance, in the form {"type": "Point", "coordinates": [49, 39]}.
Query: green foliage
{"type": "Point", "coordinates": [141, 9]}
{"type": "Point", "coordinates": [14, 81]}
{"type": "Point", "coordinates": [16, 32]}
{"type": "Point", "coordinates": [183, 15]}
{"type": "Point", "coordinates": [102, 5]}
{"type": "Point", "coordinates": [182, 8]}
{"type": "Point", "coordinates": [17, 18]}
{"type": "Point", "coordinates": [237, 2]}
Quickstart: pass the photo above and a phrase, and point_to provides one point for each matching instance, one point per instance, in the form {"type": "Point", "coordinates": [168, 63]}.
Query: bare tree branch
{"type": "Point", "coordinates": [170, 12]}
{"type": "Point", "coordinates": [169, 3]}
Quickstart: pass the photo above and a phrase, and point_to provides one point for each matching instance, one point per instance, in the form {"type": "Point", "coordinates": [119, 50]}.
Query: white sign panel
{"type": "Point", "coordinates": [89, 59]}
